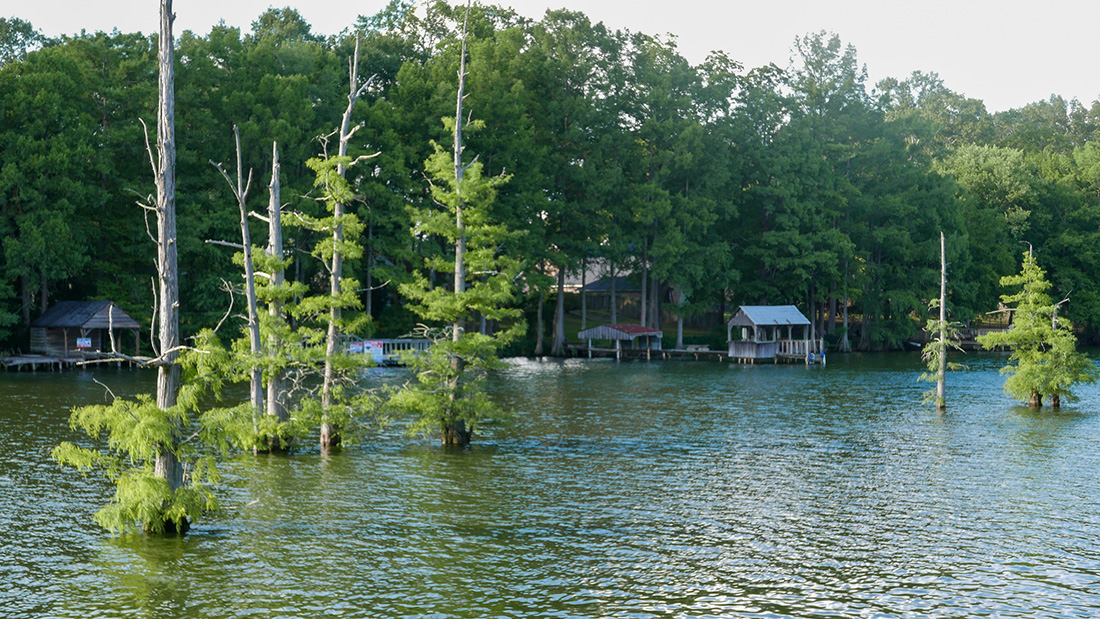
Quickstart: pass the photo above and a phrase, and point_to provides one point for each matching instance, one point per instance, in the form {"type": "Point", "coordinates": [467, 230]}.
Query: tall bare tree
{"type": "Point", "coordinates": [167, 465]}
{"type": "Point", "coordinates": [276, 388]}
{"type": "Point", "coordinates": [240, 192]}
{"type": "Point", "coordinates": [329, 435]}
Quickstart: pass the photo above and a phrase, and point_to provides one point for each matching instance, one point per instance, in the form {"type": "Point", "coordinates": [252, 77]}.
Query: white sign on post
{"type": "Point", "coordinates": [374, 350]}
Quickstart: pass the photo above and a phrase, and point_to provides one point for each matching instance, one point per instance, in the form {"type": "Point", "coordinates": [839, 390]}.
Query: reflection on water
{"type": "Point", "coordinates": [619, 490]}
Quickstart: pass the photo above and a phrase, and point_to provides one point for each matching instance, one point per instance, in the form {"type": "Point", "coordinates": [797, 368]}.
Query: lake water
{"type": "Point", "coordinates": [665, 489]}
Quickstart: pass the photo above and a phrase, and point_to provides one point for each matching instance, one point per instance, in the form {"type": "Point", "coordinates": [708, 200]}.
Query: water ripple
{"type": "Point", "coordinates": [620, 490]}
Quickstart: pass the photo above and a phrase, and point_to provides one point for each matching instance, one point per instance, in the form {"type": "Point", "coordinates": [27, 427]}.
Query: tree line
{"type": "Point", "coordinates": [713, 185]}
{"type": "Point", "coordinates": [710, 183]}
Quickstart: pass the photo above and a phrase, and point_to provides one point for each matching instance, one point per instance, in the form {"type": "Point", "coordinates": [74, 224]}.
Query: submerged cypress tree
{"type": "Point", "coordinates": [448, 394]}
{"type": "Point", "coordinates": [1045, 361]}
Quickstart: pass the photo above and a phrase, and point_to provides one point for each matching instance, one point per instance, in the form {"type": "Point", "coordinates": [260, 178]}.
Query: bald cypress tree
{"type": "Point", "coordinates": [1045, 362]}
{"type": "Point", "coordinates": [146, 452]}
{"type": "Point", "coordinates": [447, 395]}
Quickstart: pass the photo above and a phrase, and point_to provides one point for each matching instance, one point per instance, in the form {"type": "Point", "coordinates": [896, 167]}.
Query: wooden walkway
{"type": "Point", "coordinates": [33, 363]}
{"type": "Point", "coordinates": [697, 353]}
{"type": "Point", "coordinates": [690, 353]}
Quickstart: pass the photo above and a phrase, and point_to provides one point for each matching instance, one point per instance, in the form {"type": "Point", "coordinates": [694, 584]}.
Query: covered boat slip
{"type": "Point", "coordinates": [774, 333]}
{"type": "Point", "coordinates": [650, 338]}
{"type": "Point", "coordinates": [385, 351]}
{"type": "Point", "coordinates": [75, 331]}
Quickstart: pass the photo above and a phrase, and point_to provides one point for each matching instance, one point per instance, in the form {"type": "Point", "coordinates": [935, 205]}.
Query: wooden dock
{"type": "Point", "coordinates": [697, 353]}
{"type": "Point", "coordinates": [967, 338]}
{"type": "Point", "coordinates": [33, 363]}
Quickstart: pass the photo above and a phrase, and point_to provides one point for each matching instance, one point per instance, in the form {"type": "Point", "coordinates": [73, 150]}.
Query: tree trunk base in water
{"type": "Point", "coordinates": [455, 434]}
{"type": "Point", "coordinates": [172, 528]}
{"type": "Point", "coordinates": [1036, 400]}
{"type": "Point", "coordinates": [275, 447]}
{"type": "Point", "coordinates": [329, 437]}
{"type": "Point", "coordinates": [1056, 401]}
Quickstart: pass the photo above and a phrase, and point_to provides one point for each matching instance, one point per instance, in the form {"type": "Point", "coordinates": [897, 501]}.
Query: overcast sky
{"type": "Point", "coordinates": [1006, 52]}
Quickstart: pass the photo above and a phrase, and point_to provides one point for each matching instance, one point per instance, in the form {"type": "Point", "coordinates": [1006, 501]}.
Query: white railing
{"type": "Point", "coordinates": [385, 351]}
{"type": "Point", "coordinates": [800, 348]}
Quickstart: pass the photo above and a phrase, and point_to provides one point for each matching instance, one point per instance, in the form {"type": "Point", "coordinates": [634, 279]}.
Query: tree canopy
{"type": "Point", "coordinates": [714, 184]}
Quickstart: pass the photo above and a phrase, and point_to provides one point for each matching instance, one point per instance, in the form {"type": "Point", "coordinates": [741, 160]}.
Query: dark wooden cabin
{"type": "Point", "coordinates": [79, 328]}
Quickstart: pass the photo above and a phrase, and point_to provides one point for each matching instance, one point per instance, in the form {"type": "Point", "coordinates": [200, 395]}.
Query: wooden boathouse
{"type": "Point", "coordinates": [772, 332]}
{"type": "Point", "coordinates": [75, 329]}
{"type": "Point", "coordinates": [650, 337]}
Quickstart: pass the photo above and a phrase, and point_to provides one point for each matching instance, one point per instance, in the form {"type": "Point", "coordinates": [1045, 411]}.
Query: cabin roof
{"type": "Point", "coordinates": [86, 315]}
{"type": "Point", "coordinates": [623, 283]}
{"type": "Point", "coordinates": [767, 315]}
{"type": "Point", "coordinates": [618, 332]}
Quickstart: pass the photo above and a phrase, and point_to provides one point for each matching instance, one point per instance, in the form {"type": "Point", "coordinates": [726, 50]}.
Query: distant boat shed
{"type": "Point", "coordinates": [77, 328]}
{"type": "Point", "coordinates": [620, 333]}
{"type": "Point", "coordinates": [763, 328]}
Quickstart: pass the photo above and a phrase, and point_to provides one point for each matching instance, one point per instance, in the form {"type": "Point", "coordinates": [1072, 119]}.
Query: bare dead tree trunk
{"type": "Point", "coordinates": [167, 465]}
{"type": "Point", "coordinates": [329, 432]}
{"type": "Point", "coordinates": [276, 387]}
{"type": "Point", "coordinates": [538, 319]}
{"type": "Point", "coordinates": [370, 269]}
{"type": "Point", "coordinates": [941, 372]}
{"type": "Point", "coordinates": [240, 192]}
{"type": "Point", "coordinates": [460, 224]}
{"type": "Point", "coordinates": [455, 432]}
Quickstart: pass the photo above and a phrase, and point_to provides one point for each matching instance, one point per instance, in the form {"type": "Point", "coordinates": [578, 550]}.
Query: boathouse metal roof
{"type": "Point", "coordinates": [623, 283]}
{"type": "Point", "coordinates": [618, 332]}
{"type": "Point", "coordinates": [86, 315]}
{"type": "Point", "coordinates": [767, 315]}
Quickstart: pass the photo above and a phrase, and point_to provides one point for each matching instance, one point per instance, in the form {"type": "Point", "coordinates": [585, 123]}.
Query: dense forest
{"type": "Point", "coordinates": [712, 185]}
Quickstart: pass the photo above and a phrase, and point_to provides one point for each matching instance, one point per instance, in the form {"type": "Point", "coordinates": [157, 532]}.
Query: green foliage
{"type": "Point", "coordinates": [136, 432]}
{"type": "Point", "coordinates": [17, 37]}
{"type": "Point", "coordinates": [730, 184]}
{"type": "Point", "coordinates": [444, 392]}
{"type": "Point", "coordinates": [448, 394]}
{"type": "Point", "coordinates": [8, 315]}
{"type": "Point", "coordinates": [208, 366]}
{"type": "Point", "coordinates": [1045, 361]}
